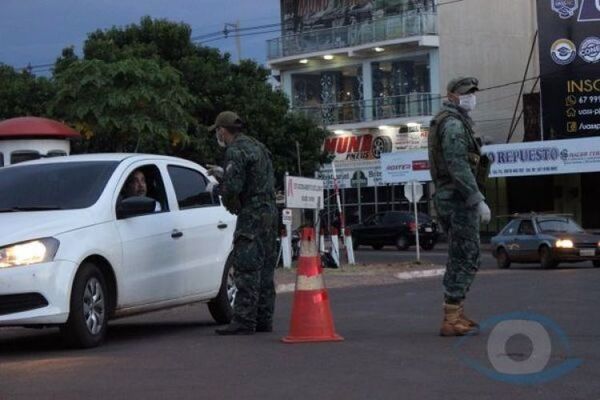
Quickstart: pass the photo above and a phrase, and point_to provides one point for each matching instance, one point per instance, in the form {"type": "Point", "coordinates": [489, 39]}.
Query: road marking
{"type": "Point", "coordinates": [428, 273]}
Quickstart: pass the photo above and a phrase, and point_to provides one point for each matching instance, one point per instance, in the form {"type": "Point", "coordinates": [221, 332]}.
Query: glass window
{"type": "Point", "coordinates": [367, 211]}
{"type": "Point", "coordinates": [384, 194]}
{"type": "Point", "coordinates": [23, 155]}
{"type": "Point", "coordinates": [146, 181]}
{"type": "Point", "coordinates": [559, 225]}
{"type": "Point", "coordinates": [526, 227]}
{"type": "Point", "coordinates": [65, 185]}
{"type": "Point", "coordinates": [351, 196]}
{"type": "Point", "coordinates": [367, 195]}
{"type": "Point", "coordinates": [190, 188]}
{"type": "Point", "coordinates": [511, 228]}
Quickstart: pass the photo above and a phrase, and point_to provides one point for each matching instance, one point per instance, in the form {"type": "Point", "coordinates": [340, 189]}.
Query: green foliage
{"type": "Point", "coordinates": [21, 93]}
{"type": "Point", "coordinates": [129, 105]}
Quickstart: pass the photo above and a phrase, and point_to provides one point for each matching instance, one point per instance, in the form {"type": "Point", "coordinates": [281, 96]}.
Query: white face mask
{"type": "Point", "coordinates": [467, 102]}
{"type": "Point", "coordinates": [220, 139]}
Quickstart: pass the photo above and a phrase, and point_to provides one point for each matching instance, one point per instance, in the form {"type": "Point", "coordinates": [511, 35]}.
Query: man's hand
{"type": "Point", "coordinates": [216, 171]}
{"type": "Point", "coordinates": [485, 214]}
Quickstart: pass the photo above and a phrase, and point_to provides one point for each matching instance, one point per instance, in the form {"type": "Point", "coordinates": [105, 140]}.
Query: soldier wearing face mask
{"type": "Point", "coordinates": [458, 171]}
{"type": "Point", "coordinates": [247, 188]}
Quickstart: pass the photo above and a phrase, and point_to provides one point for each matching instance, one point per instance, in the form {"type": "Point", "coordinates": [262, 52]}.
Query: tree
{"type": "Point", "coordinates": [127, 105]}
{"type": "Point", "coordinates": [22, 93]}
{"type": "Point", "coordinates": [217, 84]}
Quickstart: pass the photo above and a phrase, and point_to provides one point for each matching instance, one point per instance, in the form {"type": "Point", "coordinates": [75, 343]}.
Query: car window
{"type": "Point", "coordinates": [56, 153]}
{"type": "Point", "coordinates": [23, 155]}
{"type": "Point", "coordinates": [145, 181]}
{"type": "Point", "coordinates": [526, 227]}
{"type": "Point", "coordinates": [65, 185]}
{"type": "Point", "coordinates": [190, 188]}
{"type": "Point", "coordinates": [511, 228]}
{"type": "Point", "coordinates": [566, 225]}
{"type": "Point", "coordinates": [393, 218]}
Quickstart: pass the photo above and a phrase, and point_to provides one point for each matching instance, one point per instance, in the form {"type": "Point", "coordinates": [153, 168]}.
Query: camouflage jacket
{"type": "Point", "coordinates": [455, 155]}
{"type": "Point", "coordinates": [248, 187]}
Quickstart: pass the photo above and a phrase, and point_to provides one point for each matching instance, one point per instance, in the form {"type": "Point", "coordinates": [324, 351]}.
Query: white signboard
{"type": "Point", "coordinates": [350, 174]}
{"type": "Point", "coordinates": [413, 191]}
{"type": "Point", "coordinates": [303, 193]}
{"type": "Point", "coordinates": [405, 166]}
{"type": "Point", "coordinates": [549, 157]}
{"type": "Point", "coordinates": [286, 216]}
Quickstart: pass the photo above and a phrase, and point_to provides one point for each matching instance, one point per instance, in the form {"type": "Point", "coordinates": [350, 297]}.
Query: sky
{"type": "Point", "coordinates": [35, 31]}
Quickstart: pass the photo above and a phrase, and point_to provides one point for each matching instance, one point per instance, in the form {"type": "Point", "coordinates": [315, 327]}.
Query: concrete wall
{"type": "Point", "coordinates": [491, 40]}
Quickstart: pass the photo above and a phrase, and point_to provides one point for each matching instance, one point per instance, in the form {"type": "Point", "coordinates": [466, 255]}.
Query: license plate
{"type": "Point", "coordinates": [428, 230]}
{"type": "Point", "coordinates": [587, 253]}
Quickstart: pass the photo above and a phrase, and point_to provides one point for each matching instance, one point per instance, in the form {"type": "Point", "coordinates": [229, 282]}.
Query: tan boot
{"type": "Point", "coordinates": [453, 324]}
{"type": "Point", "coordinates": [466, 319]}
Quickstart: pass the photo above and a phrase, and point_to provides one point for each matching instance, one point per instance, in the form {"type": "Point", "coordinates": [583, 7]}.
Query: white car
{"type": "Point", "coordinates": [75, 251]}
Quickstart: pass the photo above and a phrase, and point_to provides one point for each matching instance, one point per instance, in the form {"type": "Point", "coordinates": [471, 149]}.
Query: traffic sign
{"type": "Point", "coordinates": [413, 191]}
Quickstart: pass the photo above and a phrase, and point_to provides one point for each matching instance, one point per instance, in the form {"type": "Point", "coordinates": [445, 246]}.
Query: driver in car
{"type": "Point", "coordinates": [136, 186]}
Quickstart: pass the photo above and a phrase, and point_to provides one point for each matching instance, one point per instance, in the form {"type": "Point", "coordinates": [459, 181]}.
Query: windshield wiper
{"type": "Point", "coordinates": [29, 208]}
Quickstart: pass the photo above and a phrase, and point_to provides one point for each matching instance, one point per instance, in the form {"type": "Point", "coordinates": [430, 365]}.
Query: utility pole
{"type": "Point", "coordinates": [298, 156]}
{"type": "Point", "coordinates": [236, 30]}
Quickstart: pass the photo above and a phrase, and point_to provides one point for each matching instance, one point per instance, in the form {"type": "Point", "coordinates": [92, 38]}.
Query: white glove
{"type": "Point", "coordinates": [216, 171]}
{"type": "Point", "coordinates": [485, 214]}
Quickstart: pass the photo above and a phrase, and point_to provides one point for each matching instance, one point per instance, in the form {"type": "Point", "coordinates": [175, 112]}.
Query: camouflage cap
{"type": "Point", "coordinates": [227, 119]}
{"type": "Point", "coordinates": [463, 85]}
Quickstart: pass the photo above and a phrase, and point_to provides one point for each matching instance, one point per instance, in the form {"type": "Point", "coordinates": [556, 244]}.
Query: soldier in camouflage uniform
{"type": "Point", "coordinates": [248, 190]}
{"type": "Point", "coordinates": [458, 171]}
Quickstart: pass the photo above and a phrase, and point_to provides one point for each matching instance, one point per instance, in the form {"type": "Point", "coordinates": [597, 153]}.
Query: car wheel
{"type": "Point", "coordinates": [428, 245]}
{"type": "Point", "coordinates": [596, 263]}
{"type": "Point", "coordinates": [502, 259]}
{"type": "Point", "coordinates": [88, 314]}
{"type": "Point", "coordinates": [377, 246]}
{"type": "Point", "coordinates": [546, 259]}
{"type": "Point", "coordinates": [221, 307]}
{"type": "Point", "coordinates": [402, 242]}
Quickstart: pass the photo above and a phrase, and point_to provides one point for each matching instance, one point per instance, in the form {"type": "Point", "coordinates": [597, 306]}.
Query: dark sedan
{"type": "Point", "coordinates": [395, 228]}
{"type": "Point", "coordinates": [547, 239]}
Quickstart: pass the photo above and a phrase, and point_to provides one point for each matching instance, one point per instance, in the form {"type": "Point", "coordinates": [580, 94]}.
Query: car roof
{"type": "Point", "coordinates": [119, 157]}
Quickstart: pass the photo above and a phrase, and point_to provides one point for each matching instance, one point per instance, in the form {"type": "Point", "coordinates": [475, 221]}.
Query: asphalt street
{"type": "Point", "coordinates": [391, 348]}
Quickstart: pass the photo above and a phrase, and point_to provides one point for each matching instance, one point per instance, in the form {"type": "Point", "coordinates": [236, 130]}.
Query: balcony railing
{"type": "Point", "coordinates": [380, 108]}
{"type": "Point", "coordinates": [413, 23]}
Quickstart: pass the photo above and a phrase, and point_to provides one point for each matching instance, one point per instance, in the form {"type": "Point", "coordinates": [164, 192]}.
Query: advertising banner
{"type": "Point", "coordinates": [544, 158]}
{"type": "Point", "coordinates": [352, 175]}
{"type": "Point", "coordinates": [569, 45]}
{"type": "Point", "coordinates": [303, 193]}
{"type": "Point", "coordinates": [405, 166]}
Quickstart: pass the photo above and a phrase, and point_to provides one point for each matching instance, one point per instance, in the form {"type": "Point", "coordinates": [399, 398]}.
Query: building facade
{"type": "Point", "coordinates": [374, 72]}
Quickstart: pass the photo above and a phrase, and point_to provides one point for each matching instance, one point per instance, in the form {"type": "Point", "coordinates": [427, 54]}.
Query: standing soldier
{"type": "Point", "coordinates": [248, 190]}
{"type": "Point", "coordinates": [458, 171]}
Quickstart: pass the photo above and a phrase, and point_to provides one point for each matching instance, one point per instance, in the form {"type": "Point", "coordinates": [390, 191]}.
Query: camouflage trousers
{"type": "Point", "coordinates": [461, 224]}
{"type": "Point", "coordinates": [253, 259]}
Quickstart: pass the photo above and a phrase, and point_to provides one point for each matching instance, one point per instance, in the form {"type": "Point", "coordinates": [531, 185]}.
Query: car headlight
{"type": "Point", "coordinates": [26, 253]}
{"type": "Point", "coordinates": [564, 244]}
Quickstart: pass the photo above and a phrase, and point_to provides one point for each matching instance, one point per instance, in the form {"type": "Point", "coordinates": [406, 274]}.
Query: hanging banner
{"type": "Point", "coordinates": [544, 158]}
{"type": "Point", "coordinates": [405, 166]}
{"type": "Point", "coordinates": [569, 47]}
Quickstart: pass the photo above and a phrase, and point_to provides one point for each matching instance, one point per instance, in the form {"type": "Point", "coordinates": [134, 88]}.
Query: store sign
{"type": "Point", "coordinates": [405, 166]}
{"type": "Point", "coordinates": [365, 173]}
{"type": "Point", "coordinates": [544, 158]}
{"type": "Point", "coordinates": [569, 43]}
{"type": "Point", "coordinates": [303, 193]}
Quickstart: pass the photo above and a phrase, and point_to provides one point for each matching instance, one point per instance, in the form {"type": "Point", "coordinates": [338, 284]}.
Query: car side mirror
{"type": "Point", "coordinates": [134, 206]}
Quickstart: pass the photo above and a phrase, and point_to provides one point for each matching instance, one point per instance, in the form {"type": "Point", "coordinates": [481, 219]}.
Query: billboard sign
{"type": "Point", "coordinates": [405, 166]}
{"type": "Point", "coordinates": [303, 193]}
{"type": "Point", "coordinates": [569, 44]}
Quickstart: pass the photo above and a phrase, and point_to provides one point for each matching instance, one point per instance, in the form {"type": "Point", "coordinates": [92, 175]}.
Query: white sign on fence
{"type": "Point", "coordinates": [303, 193]}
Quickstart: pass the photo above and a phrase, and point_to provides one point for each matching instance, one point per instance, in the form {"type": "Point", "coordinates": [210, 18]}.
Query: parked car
{"type": "Point", "coordinates": [395, 228]}
{"type": "Point", "coordinates": [547, 239]}
{"type": "Point", "coordinates": [75, 253]}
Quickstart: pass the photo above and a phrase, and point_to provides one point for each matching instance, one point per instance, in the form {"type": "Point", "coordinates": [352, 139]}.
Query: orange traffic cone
{"type": "Point", "coordinates": [311, 314]}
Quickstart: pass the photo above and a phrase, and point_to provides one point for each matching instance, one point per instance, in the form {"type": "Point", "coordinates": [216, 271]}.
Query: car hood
{"type": "Point", "coordinates": [577, 237]}
{"type": "Point", "coordinates": [21, 226]}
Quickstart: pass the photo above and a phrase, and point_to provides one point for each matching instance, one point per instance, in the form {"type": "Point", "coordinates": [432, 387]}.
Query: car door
{"type": "Point", "coordinates": [206, 229]}
{"type": "Point", "coordinates": [371, 230]}
{"type": "Point", "coordinates": [527, 241]}
{"type": "Point", "coordinates": [150, 257]}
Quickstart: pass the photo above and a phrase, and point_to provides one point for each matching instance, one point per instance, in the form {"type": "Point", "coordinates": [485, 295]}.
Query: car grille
{"type": "Point", "coordinates": [13, 303]}
{"type": "Point", "coordinates": [586, 245]}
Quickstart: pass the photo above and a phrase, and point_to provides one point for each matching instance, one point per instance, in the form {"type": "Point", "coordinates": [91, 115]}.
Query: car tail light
{"type": "Point", "coordinates": [412, 226]}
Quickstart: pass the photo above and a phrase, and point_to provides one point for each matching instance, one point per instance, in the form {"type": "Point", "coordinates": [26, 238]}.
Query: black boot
{"type": "Point", "coordinates": [235, 328]}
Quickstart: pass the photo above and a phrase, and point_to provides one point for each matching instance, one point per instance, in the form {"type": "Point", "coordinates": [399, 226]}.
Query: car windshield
{"type": "Point", "coordinates": [566, 225]}
{"type": "Point", "coordinates": [59, 186]}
